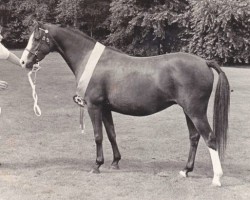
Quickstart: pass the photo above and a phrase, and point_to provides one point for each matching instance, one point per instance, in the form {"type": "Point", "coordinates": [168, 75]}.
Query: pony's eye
{"type": "Point", "coordinates": [36, 38]}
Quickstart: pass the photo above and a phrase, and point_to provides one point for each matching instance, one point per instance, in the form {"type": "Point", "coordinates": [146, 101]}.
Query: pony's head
{"type": "Point", "coordinates": [38, 47]}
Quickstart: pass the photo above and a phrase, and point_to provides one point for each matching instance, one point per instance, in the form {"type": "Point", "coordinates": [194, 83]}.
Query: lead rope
{"type": "Point", "coordinates": [36, 108]}
{"type": "Point", "coordinates": [82, 120]}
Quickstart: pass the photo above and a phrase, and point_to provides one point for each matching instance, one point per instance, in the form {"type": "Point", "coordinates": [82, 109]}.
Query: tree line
{"type": "Point", "coordinates": [209, 28]}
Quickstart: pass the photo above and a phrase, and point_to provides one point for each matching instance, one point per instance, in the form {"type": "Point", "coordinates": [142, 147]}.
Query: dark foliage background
{"type": "Point", "coordinates": [209, 28]}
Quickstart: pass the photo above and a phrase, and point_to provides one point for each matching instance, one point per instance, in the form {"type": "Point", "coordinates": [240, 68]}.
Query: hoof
{"type": "Point", "coordinates": [95, 171]}
{"type": "Point", "coordinates": [216, 182]}
{"type": "Point", "coordinates": [115, 167]}
{"type": "Point", "coordinates": [183, 174]}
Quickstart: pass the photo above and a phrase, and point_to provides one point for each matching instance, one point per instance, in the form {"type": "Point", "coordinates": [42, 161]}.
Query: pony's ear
{"type": "Point", "coordinates": [37, 32]}
{"type": "Point", "coordinates": [34, 23]}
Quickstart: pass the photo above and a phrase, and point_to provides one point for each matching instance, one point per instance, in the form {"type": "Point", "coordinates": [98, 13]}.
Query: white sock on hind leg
{"type": "Point", "coordinates": [216, 167]}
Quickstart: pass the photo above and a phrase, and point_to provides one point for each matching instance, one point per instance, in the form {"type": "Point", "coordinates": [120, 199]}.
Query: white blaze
{"type": "Point", "coordinates": [25, 54]}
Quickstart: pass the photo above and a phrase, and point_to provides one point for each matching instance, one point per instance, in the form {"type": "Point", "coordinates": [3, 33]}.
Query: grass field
{"type": "Point", "coordinates": [48, 158]}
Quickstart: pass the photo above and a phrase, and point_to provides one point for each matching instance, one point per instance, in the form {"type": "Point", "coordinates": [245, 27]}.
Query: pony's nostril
{"type": "Point", "coordinates": [22, 62]}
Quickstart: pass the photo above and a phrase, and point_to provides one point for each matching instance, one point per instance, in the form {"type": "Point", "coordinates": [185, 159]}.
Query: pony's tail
{"type": "Point", "coordinates": [221, 108]}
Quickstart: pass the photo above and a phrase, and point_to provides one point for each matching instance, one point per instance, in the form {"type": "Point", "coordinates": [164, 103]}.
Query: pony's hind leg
{"type": "Point", "coordinates": [194, 138]}
{"type": "Point", "coordinates": [109, 126]}
{"type": "Point", "coordinates": [203, 127]}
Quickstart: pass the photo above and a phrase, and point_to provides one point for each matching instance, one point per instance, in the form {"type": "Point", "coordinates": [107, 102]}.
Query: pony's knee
{"type": "Point", "coordinates": [98, 139]}
{"type": "Point", "coordinates": [194, 140]}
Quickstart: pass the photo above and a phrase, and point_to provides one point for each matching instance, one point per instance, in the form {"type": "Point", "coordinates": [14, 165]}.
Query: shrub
{"type": "Point", "coordinates": [220, 30]}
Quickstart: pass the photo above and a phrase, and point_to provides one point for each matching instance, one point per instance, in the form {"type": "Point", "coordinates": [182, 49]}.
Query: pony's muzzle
{"type": "Point", "coordinates": [27, 65]}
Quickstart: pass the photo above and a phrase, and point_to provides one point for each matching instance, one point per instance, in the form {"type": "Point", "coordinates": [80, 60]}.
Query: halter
{"type": "Point", "coordinates": [45, 39]}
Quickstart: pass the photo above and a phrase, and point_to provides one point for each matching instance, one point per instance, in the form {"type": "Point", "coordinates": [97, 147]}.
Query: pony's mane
{"type": "Point", "coordinates": [88, 37]}
{"type": "Point", "coordinates": [115, 49]}
{"type": "Point", "coordinates": [78, 32]}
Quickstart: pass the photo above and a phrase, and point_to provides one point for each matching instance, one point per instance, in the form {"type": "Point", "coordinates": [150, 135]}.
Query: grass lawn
{"type": "Point", "coordinates": [47, 157]}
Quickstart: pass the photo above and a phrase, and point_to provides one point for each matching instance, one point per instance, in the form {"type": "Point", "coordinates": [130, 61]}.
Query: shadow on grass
{"type": "Point", "coordinates": [63, 163]}
{"type": "Point", "coordinates": [161, 168]}
{"type": "Point", "coordinates": [126, 165]}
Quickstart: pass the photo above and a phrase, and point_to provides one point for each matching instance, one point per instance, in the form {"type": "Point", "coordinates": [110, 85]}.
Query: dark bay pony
{"type": "Point", "coordinates": [141, 86]}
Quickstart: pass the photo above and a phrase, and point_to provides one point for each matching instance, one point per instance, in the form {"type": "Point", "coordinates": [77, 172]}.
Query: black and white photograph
{"type": "Point", "coordinates": [124, 99]}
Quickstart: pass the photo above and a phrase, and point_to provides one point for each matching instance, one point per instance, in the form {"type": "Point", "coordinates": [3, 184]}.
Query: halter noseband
{"type": "Point", "coordinates": [45, 38]}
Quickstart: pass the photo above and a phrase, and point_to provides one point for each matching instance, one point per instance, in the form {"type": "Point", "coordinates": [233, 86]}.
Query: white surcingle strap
{"type": "Point", "coordinates": [85, 78]}
{"type": "Point", "coordinates": [89, 69]}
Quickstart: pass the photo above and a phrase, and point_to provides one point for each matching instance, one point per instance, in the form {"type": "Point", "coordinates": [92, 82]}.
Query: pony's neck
{"type": "Point", "coordinates": [74, 47]}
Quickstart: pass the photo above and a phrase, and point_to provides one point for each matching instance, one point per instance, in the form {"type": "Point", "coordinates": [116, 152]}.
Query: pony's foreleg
{"type": "Point", "coordinates": [95, 113]}
{"type": "Point", "coordinates": [194, 138]}
{"type": "Point", "coordinates": [110, 129]}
